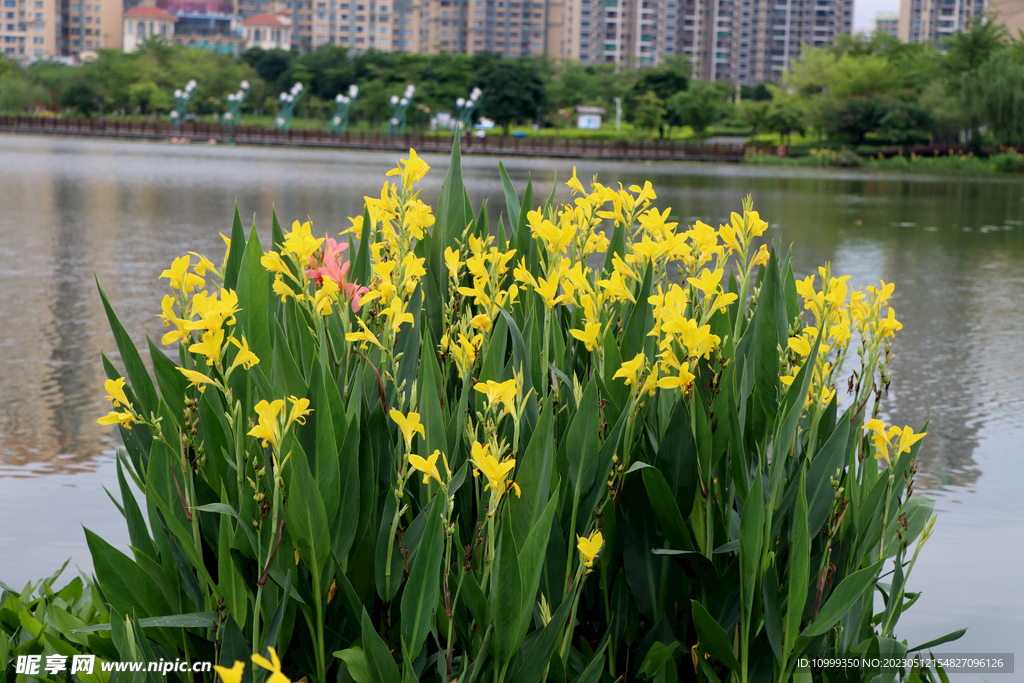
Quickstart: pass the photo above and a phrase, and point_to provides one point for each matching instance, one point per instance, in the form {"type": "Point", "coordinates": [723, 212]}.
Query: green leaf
{"type": "Point", "coordinates": [949, 637]}
{"type": "Point", "coordinates": [173, 385]}
{"type": "Point", "coordinates": [141, 383]}
{"type": "Point", "coordinates": [506, 596]}
{"type": "Point", "coordinates": [125, 585]}
{"type": "Point", "coordinates": [531, 562]}
{"type": "Point", "coordinates": [512, 206]}
{"type": "Point", "coordinates": [538, 653]}
{"type": "Point", "coordinates": [713, 637]}
{"type": "Point", "coordinates": [138, 534]}
{"type": "Point", "coordinates": [592, 674]}
{"type": "Point", "coordinates": [799, 566]}
{"type": "Point", "coordinates": [421, 589]}
{"type": "Point", "coordinates": [193, 620]}
{"type": "Point", "coordinates": [677, 457]}
{"type": "Point", "coordinates": [234, 252]}
{"type": "Point", "coordinates": [355, 662]}
{"type": "Point", "coordinates": [656, 657]}
{"type": "Point", "coordinates": [851, 589]}
{"type": "Point", "coordinates": [451, 207]}
{"type": "Point", "coordinates": [231, 584]}
{"type": "Point", "coordinates": [304, 512]}
{"type": "Point", "coordinates": [751, 539]}
{"type": "Point", "coordinates": [581, 441]}
{"type": "Point", "coordinates": [665, 508]}
{"type": "Point", "coordinates": [254, 295]}
{"type": "Point", "coordinates": [379, 663]}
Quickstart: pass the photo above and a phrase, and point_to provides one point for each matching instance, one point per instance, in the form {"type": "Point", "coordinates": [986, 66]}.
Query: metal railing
{"type": "Point", "coordinates": [650, 150]}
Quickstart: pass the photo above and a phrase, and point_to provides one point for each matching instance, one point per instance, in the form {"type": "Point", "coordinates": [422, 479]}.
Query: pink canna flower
{"type": "Point", "coordinates": [330, 263]}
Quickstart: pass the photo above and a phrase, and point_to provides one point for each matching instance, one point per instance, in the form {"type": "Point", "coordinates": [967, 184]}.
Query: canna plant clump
{"type": "Point", "coordinates": [593, 446]}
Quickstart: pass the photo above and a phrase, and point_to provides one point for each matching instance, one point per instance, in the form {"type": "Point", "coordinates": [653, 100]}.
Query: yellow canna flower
{"type": "Point", "coordinates": [115, 389]}
{"type": "Point", "coordinates": [761, 257]}
{"type": "Point", "coordinates": [214, 312]}
{"type": "Point", "coordinates": [889, 325]}
{"type": "Point", "coordinates": [273, 262]}
{"type": "Point", "coordinates": [481, 322]}
{"type": "Point", "coordinates": [180, 278]}
{"type": "Point", "coordinates": [327, 294]}
{"type": "Point", "coordinates": [268, 427]}
{"type": "Point", "coordinates": [590, 335]}
{"type": "Point", "coordinates": [409, 424]}
{"type": "Point", "coordinates": [196, 379]}
{"type": "Point", "coordinates": [232, 675]}
{"type": "Point", "coordinates": [365, 336]}
{"type": "Point", "coordinates": [496, 472]}
{"type": "Point", "coordinates": [707, 281]}
{"type": "Point", "coordinates": [428, 467]}
{"type": "Point", "coordinates": [205, 265]}
{"type": "Point", "coordinates": [732, 233]}
{"type": "Point", "coordinates": [630, 370]}
{"type": "Point", "coordinates": [300, 241]}
{"type": "Point", "coordinates": [451, 259]}
{"type": "Point", "coordinates": [244, 357]}
{"type": "Point", "coordinates": [589, 547]}
{"type": "Point", "coordinates": [356, 227]}
{"type": "Point", "coordinates": [500, 392]}
{"type": "Point", "coordinates": [574, 184]}
{"type": "Point", "coordinates": [300, 409]}
{"type": "Point", "coordinates": [180, 332]}
{"type": "Point", "coordinates": [397, 314]}
{"type": "Point", "coordinates": [414, 169]}
{"type": "Point", "coordinates": [274, 667]}
{"type": "Point", "coordinates": [212, 346]}
{"type": "Point", "coordinates": [907, 438]}
{"type": "Point", "coordinates": [115, 418]}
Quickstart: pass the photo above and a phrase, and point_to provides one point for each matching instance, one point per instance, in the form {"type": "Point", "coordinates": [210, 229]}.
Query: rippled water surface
{"type": "Point", "coordinates": [954, 246]}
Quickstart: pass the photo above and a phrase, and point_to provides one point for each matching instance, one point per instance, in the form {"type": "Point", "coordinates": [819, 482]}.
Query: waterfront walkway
{"type": "Point", "coordinates": [652, 150]}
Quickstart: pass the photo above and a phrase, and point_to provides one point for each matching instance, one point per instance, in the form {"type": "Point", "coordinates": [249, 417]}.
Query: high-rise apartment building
{"type": "Point", "coordinates": [929, 21]}
{"type": "Point", "coordinates": [888, 24]}
{"type": "Point", "coordinates": [751, 41]}
{"type": "Point", "coordinates": [27, 28]}
{"type": "Point", "coordinates": [85, 27]}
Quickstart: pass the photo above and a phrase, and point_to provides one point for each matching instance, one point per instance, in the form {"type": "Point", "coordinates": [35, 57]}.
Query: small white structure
{"type": "Point", "coordinates": [589, 118]}
{"type": "Point", "coordinates": [268, 31]}
{"type": "Point", "coordinates": [142, 23]}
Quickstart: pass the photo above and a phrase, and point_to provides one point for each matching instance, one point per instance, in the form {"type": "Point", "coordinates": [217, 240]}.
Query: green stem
{"type": "Point", "coordinates": [570, 627]}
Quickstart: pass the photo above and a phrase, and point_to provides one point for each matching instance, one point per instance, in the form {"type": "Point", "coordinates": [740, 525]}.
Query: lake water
{"type": "Point", "coordinates": [954, 247]}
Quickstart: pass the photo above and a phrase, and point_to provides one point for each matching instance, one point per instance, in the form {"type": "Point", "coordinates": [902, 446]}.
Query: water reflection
{"type": "Point", "coordinates": [124, 210]}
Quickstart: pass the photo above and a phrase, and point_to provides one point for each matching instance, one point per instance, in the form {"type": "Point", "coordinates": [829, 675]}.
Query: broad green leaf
{"type": "Point", "coordinates": [799, 566]}
{"type": "Point", "coordinates": [126, 586]}
{"type": "Point", "coordinates": [355, 662]}
{"type": "Point", "coordinates": [511, 199]}
{"type": "Point", "coordinates": [138, 377]}
{"type": "Point", "coordinates": [851, 589]}
{"type": "Point", "coordinates": [138, 534]}
{"type": "Point", "coordinates": [506, 597]}
{"type": "Point", "coordinates": [379, 663]}
{"type": "Point", "coordinates": [655, 659]}
{"type": "Point", "coordinates": [581, 441]}
{"type": "Point", "coordinates": [235, 251]}
{"type": "Point", "coordinates": [304, 513]}
{"type": "Point", "coordinates": [751, 539]}
{"type": "Point", "coordinates": [665, 508]}
{"type": "Point", "coordinates": [531, 561]}
{"type": "Point", "coordinates": [948, 638]}
{"type": "Point", "coordinates": [195, 620]}
{"type": "Point", "coordinates": [713, 637]}
{"type": "Point", "coordinates": [254, 293]}
{"type": "Point", "coordinates": [533, 475]}
{"type": "Point", "coordinates": [230, 583]}
{"type": "Point", "coordinates": [535, 656]}
{"type": "Point", "coordinates": [421, 589]}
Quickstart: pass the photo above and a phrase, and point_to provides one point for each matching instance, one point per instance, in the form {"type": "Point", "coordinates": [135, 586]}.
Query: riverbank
{"type": "Point", "coordinates": [952, 162]}
{"type": "Point", "coordinates": [581, 148]}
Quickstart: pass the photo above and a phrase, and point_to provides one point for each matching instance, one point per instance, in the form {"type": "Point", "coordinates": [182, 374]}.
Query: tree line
{"type": "Point", "coordinates": [873, 90]}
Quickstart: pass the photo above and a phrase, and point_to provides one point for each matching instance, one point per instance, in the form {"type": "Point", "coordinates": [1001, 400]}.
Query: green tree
{"type": "Point", "coordinates": [147, 96]}
{"type": "Point", "coordinates": [649, 113]}
{"type": "Point", "coordinates": [860, 74]}
{"type": "Point", "coordinates": [514, 91]}
{"type": "Point", "coordinates": [18, 94]}
{"type": "Point", "coordinates": [755, 114]}
{"type": "Point", "coordinates": [699, 107]}
{"type": "Point", "coordinates": [852, 118]}
{"type": "Point", "coordinates": [967, 50]}
{"type": "Point", "coordinates": [80, 95]}
{"type": "Point", "coordinates": [995, 97]}
{"type": "Point", "coordinates": [664, 81]}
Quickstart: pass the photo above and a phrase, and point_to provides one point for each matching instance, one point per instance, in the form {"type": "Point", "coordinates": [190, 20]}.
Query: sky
{"type": "Point", "coordinates": [864, 12]}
